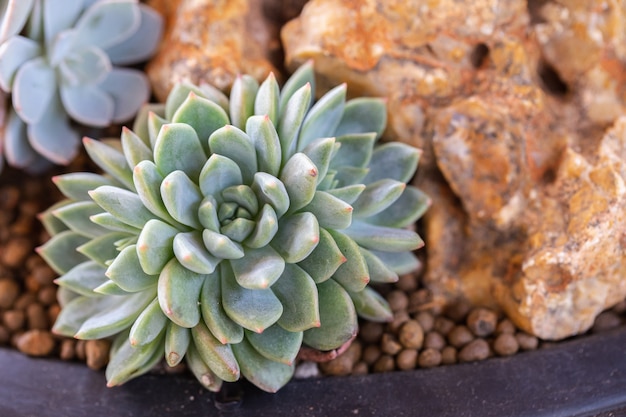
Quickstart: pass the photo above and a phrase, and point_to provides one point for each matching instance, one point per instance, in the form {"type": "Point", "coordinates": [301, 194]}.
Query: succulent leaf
{"type": "Point", "coordinates": [155, 246]}
{"type": "Point", "coordinates": [276, 344]}
{"type": "Point", "coordinates": [323, 262]}
{"type": "Point", "coordinates": [178, 148]}
{"type": "Point", "coordinates": [143, 43]}
{"type": "Point", "coordinates": [410, 206]}
{"type": "Point", "coordinates": [125, 205]}
{"type": "Point", "coordinates": [34, 87]}
{"type": "Point", "coordinates": [176, 286]}
{"type": "Point", "coordinates": [242, 96]}
{"type": "Point", "coordinates": [377, 197]}
{"type": "Point", "coordinates": [297, 236]}
{"type": "Point", "coordinates": [127, 273]}
{"type": "Point", "coordinates": [371, 305]}
{"type": "Point", "coordinates": [320, 152]}
{"type": "Point", "coordinates": [297, 292]}
{"type": "Point", "coordinates": [108, 23]}
{"type": "Point", "coordinates": [383, 238]}
{"type": "Point", "coordinates": [83, 278]}
{"type": "Point", "coordinates": [128, 362]}
{"type": "Point", "coordinates": [323, 118]}
{"type": "Point", "coordinates": [259, 268]}
{"type": "Point", "coordinates": [302, 76]}
{"type": "Point", "coordinates": [76, 217]}
{"type": "Point", "coordinates": [262, 372]}
{"type": "Point", "coordinates": [396, 161]}
{"type": "Point", "coordinates": [102, 249]}
{"type": "Point", "coordinates": [263, 134]}
{"type": "Point", "coordinates": [213, 314]}
{"type": "Point", "coordinates": [399, 262]}
{"type": "Point", "coordinates": [291, 119]}
{"type": "Point", "coordinates": [15, 13]}
{"type": "Point", "coordinates": [59, 251]}
{"type": "Point", "coordinates": [14, 53]}
{"type": "Point", "coordinates": [177, 341]}
{"type": "Point", "coordinates": [218, 356]}
{"type": "Point", "coordinates": [128, 89]}
{"type": "Point", "coordinates": [149, 325]}
{"type": "Point", "coordinates": [218, 173]}
{"type": "Point", "coordinates": [363, 115]}
{"type": "Point", "coordinates": [267, 101]}
{"type": "Point", "coordinates": [148, 180]}
{"type": "Point", "coordinates": [330, 211]}
{"type": "Point", "coordinates": [202, 371]}
{"type": "Point", "coordinates": [182, 198]}
{"type": "Point", "coordinates": [192, 254]}
{"type": "Point", "coordinates": [379, 272]}
{"type": "Point", "coordinates": [76, 185]}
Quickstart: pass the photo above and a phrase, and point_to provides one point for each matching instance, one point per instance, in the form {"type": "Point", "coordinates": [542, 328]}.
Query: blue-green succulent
{"type": "Point", "coordinates": [230, 231]}
{"type": "Point", "coordinates": [58, 59]}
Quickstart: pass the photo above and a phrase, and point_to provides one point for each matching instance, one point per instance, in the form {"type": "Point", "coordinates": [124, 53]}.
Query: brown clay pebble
{"type": "Point", "coordinates": [80, 349]}
{"type": "Point", "coordinates": [36, 317]}
{"type": "Point", "coordinates": [13, 319]}
{"type": "Point", "coordinates": [460, 336]}
{"type": "Point", "coordinates": [24, 301]}
{"type": "Point", "coordinates": [407, 283]}
{"type": "Point", "coordinates": [371, 354]}
{"type": "Point", "coordinates": [36, 343]}
{"type": "Point", "coordinates": [426, 320]}
{"type": "Point", "coordinates": [605, 321]}
{"type": "Point", "coordinates": [476, 350]}
{"type": "Point", "coordinates": [384, 364]}
{"type": "Point", "coordinates": [429, 358]}
{"type": "Point", "coordinates": [389, 344]}
{"type": "Point", "coordinates": [43, 274]}
{"type": "Point", "coordinates": [97, 353]}
{"type": "Point", "coordinates": [458, 311]}
{"type": "Point", "coordinates": [67, 349]}
{"type": "Point", "coordinates": [399, 318]}
{"type": "Point", "coordinates": [47, 295]}
{"type": "Point", "coordinates": [526, 341]}
{"type": "Point", "coordinates": [505, 344]}
{"type": "Point", "coordinates": [360, 368]}
{"type": "Point", "coordinates": [411, 335]}
{"type": "Point", "coordinates": [9, 291]}
{"type": "Point", "coordinates": [9, 197]}
{"type": "Point", "coordinates": [443, 325]}
{"type": "Point", "coordinates": [53, 312]}
{"type": "Point", "coordinates": [407, 359]}
{"type": "Point", "coordinates": [343, 364]}
{"type": "Point", "coordinates": [482, 322]}
{"type": "Point", "coordinates": [4, 335]}
{"type": "Point", "coordinates": [434, 340]}
{"type": "Point", "coordinates": [419, 298]}
{"type": "Point", "coordinates": [505, 326]}
{"type": "Point", "coordinates": [397, 300]}
{"type": "Point", "coordinates": [370, 331]}
{"type": "Point", "coordinates": [16, 251]}
{"type": "Point", "coordinates": [448, 355]}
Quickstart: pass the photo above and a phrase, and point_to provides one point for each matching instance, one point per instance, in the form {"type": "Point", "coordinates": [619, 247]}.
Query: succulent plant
{"type": "Point", "coordinates": [230, 231]}
{"type": "Point", "coordinates": [57, 59]}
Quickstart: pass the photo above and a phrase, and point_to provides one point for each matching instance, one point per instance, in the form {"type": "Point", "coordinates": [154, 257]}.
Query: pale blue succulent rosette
{"type": "Point", "coordinates": [58, 59]}
{"type": "Point", "coordinates": [230, 231]}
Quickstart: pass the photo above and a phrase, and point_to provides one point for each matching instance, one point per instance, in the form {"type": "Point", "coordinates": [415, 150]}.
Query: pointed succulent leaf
{"type": "Point", "coordinates": [140, 125]}
{"type": "Point", "coordinates": [217, 356]}
{"type": "Point", "coordinates": [330, 211]}
{"type": "Point", "coordinates": [142, 44]}
{"type": "Point", "coordinates": [155, 123]}
{"type": "Point", "coordinates": [213, 314]}
{"type": "Point", "coordinates": [149, 325]}
{"type": "Point", "coordinates": [265, 139]}
{"type": "Point", "coordinates": [297, 236]}
{"type": "Point", "coordinates": [242, 96]}
{"type": "Point", "coordinates": [88, 104]}
{"type": "Point", "coordinates": [17, 149]}
{"type": "Point", "coordinates": [363, 115]}
{"type": "Point", "coordinates": [267, 101]}
{"type": "Point", "coordinates": [135, 150]}
{"type": "Point", "coordinates": [178, 95]}
{"type": "Point", "coordinates": [34, 24]}
{"type": "Point", "coordinates": [60, 251]}
{"type": "Point", "coordinates": [148, 181]}
{"type": "Point", "coordinates": [377, 197]}
{"type": "Point", "coordinates": [126, 272]}
{"type": "Point", "coordinates": [207, 214]}
{"type": "Point", "coordinates": [219, 172]}
{"type": "Point", "coordinates": [178, 148]}
{"type": "Point", "coordinates": [125, 205]}
{"type": "Point", "coordinates": [371, 306]}
{"type": "Point", "coordinates": [349, 193]}
{"type": "Point", "coordinates": [114, 315]}
{"type": "Point", "coordinates": [324, 117]}
{"type": "Point", "coordinates": [179, 292]}
{"type": "Point", "coordinates": [399, 262]}
{"type": "Point", "coordinates": [76, 185]}
{"type": "Point", "coordinates": [128, 362]}
{"type": "Point", "coordinates": [176, 343]}
{"type": "Point", "coordinates": [102, 248]}
{"type": "Point", "coordinates": [276, 344]}
{"type": "Point", "coordinates": [182, 198]}
{"type": "Point", "coordinates": [109, 288]}
{"type": "Point", "coordinates": [265, 228]}
{"type": "Point", "coordinates": [254, 310]}
{"type": "Point", "coordinates": [302, 76]}
{"type": "Point", "coordinates": [215, 95]}
{"type": "Point", "coordinates": [291, 119]}
{"type": "Point", "coordinates": [57, 19]}
{"type": "Point", "coordinates": [243, 196]}
{"type": "Point", "coordinates": [236, 145]}
{"type": "Point", "coordinates": [338, 318]}
{"type": "Point", "coordinates": [129, 89]}
{"type": "Point", "coordinates": [76, 217]}
{"type": "Point", "coordinates": [203, 115]}
{"type": "Point", "coordinates": [405, 211]}
{"type": "Point", "coordinates": [322, 263]}
{"type": "Point", "coordinates": [14, 53]}
{"type": "Point", "coordinates": [270, 190]}
{"type": "Point", "coordinates": [221, 246]}
{"type": "Point", "coordinates": [266, 374]}
{"type": "Point", "coordinates": [112, 223]}
{"type": "Point", "coordinates": [74, 313]}
{"type": "Point", "coordinates": [300, 179]}
{"type": "Point", "coordinates": [348, 175]}
{"type": "Point", "coordinates": [106, 24]}
{"type": "Point", "coordinates": [192, 254]}
{"type": "Point", "coordinates": [297, 293]}
{"type": "Point", "coordinates": [383, 238]}
{"type": "Point", "coordinates": [202, 371]}
{"type": "Point", "coordinates": [34, 87]}
{"type": "Point", "coordinates": [320, 153]}
{"type": "Point", "coordinates": [238, 230]}
{"type": "Point", "coordinates": [378, 271]}
{"type": "Point", "coordinates": [51, 224]}
{"type": "Point", "coordinates": [353, 275]}
{"type": "Point", "coordinates": [110, 160]}
{"type": "Point", "coordinates": [259, 268]}
{"type": "Point", "coordinates": [14, 13]}
{"type": "Point", "coordinates": [396, 161]}
{"type": "Point", "coordinates": [83, 278]}
{"type": "Point", "coordinates": [355, 150]}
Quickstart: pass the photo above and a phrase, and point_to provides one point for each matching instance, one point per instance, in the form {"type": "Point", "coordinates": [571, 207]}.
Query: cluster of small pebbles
{"type": "Point", "coordinates": [420, 335]}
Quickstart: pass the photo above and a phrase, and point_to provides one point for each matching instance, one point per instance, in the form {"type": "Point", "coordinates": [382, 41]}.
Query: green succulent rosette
{"type": "Point", "coordinates": [230, 231]}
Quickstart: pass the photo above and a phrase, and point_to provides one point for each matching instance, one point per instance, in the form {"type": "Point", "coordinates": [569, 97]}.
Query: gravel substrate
{"type": "Point", "coordinates": [420, 336]}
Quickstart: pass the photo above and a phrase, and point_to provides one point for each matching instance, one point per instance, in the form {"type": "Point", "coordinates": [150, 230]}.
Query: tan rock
{"type": "Point", "coordinates": [212, 41]}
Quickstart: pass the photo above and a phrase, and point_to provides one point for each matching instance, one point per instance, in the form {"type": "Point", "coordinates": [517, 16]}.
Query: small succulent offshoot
{"type": "Point", "coordinates": [58, 59]}
{"type": "Point", "coordinates": [230, 231]}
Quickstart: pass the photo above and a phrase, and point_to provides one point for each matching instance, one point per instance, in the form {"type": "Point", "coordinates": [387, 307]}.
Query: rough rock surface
{"type": "Point", "coordinates": [212, 41]}
{"type": "Point", "coordinates": [504, 115]}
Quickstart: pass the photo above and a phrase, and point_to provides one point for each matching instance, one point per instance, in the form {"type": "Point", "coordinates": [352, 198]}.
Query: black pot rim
{"type": "Point", "coordinates": [582, 377]}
